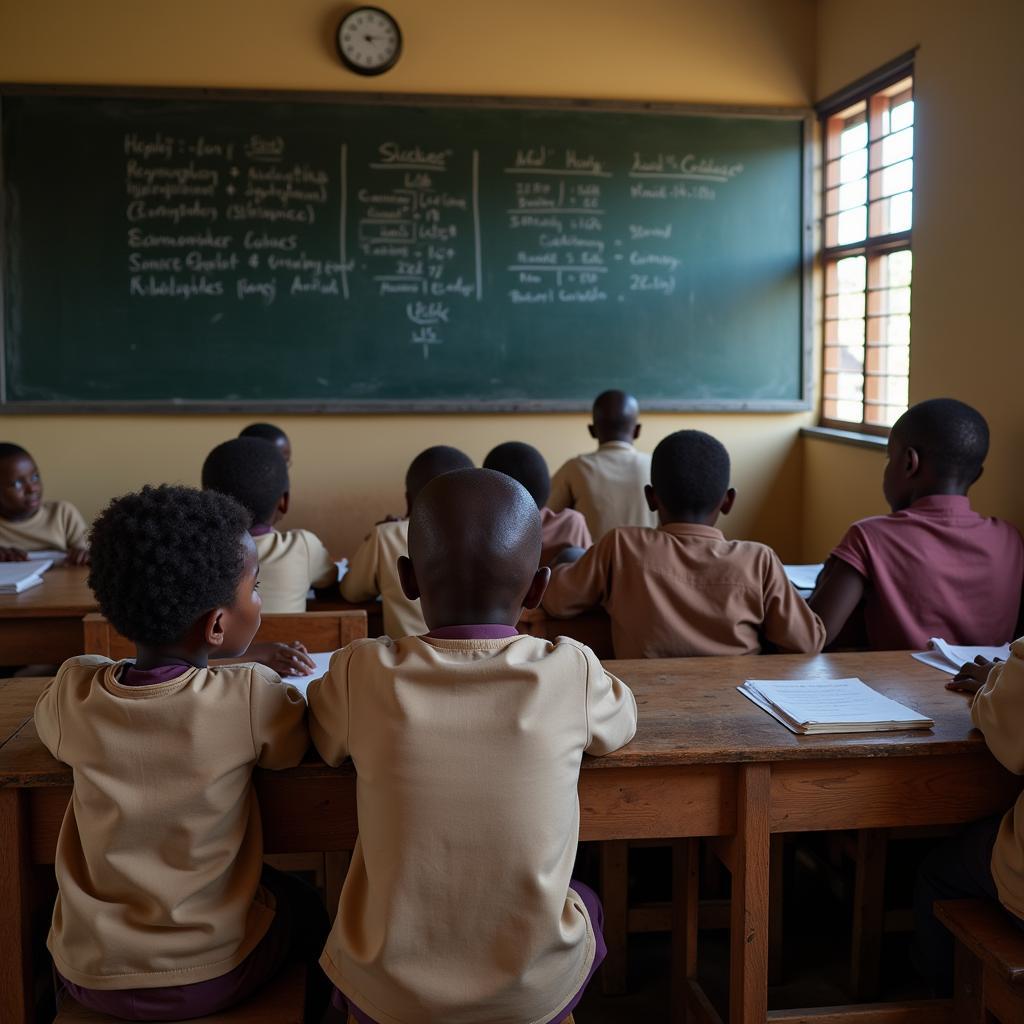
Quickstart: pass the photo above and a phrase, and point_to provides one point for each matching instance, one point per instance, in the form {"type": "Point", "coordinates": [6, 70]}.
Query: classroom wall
{"type": "Point", "coordinates": [968, 218]}
{"type": "Point", "coordinates": [348, 469]}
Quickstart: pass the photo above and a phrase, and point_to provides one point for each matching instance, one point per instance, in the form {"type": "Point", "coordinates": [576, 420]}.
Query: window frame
{"type": "Point", "coordinates": [860, 91]}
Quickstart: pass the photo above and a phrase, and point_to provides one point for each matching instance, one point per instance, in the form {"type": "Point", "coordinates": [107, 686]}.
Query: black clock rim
{"type": "Point", "coordinates": [357, 68]}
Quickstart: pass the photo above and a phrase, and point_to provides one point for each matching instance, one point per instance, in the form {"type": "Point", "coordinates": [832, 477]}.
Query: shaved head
{"type": "Point", "coordinates": [474, 546]}
{"type": "Point", "coordinates": [615, 414]}
{"type": "Point", "coordinates": [430, 463]}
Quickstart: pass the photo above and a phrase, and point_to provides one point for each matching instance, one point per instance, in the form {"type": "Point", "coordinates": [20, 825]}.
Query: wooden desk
{"type": "Point", "coordinates": [592, 628]}
{"type": "Point", "coordinates": [705, 762]}
{"type": "Point", "coordinates": [44, 625]}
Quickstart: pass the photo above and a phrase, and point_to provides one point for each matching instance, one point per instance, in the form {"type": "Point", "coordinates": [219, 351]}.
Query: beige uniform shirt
{"type": "Point", "coordinates": [290, 563]}
{"type": "Point", "coordinates": [561, 530]}
{"type": "Point", "coordinates": [57, 526]}
{"type": "Point", "coordinates": [159, 856]}
{"type": "Point", "coordinates": [684, 590]}
{"type": "Point", "coordinates": [607, 486]}
{"type": "Point", "coordinates": [998, 711]}
{"type": "Point", "coordinates": [373, 572]}
{"type": "Point", "coordinates": [457, 904]}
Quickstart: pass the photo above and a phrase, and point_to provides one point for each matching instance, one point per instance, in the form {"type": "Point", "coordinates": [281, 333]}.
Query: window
{"type": "Point", "coordinates": [868, 135]}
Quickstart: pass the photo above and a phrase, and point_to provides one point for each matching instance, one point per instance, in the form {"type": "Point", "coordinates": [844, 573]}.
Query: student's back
{"type": "Point", "coordinates": [607, 485]}
{"type": "Point", "coordinates": [933, 566]}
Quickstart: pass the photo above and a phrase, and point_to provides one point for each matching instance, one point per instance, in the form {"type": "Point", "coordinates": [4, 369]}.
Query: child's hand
{"type": "Point", "coordinates": [78, 556]}
{"type": "Point", "coordinates": [13, 555]}
{"type": "Point", "coordinates": [971, 676]}
{"type": "Point", "coordinates": [285, 659]}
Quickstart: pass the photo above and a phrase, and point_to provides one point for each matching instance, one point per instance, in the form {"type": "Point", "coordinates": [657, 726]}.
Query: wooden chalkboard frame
{"type": "Point", "coordinates": [400, 406]}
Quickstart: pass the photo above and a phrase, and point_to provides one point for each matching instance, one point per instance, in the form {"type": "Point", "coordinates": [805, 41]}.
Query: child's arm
{"type": "Point", "coordinates": [47, 715]}
{"type": "Point", "coordinates": [362, 581]}
{"type": "Point", "coordinates": [76, 535]}
{"type": "Point", "coordinates": [998, 710]}
{"type": "Point", "coordinates": [277, 714]}
{"type": "Point", "coordinates": [611, 709]}
{"type": "Point", "coordinates": [13, 555]}
{"type": "Point", "coordinates": [576, 587]}
{"type": "Point", "coordinates": [328, 709]}
{"type": "Point", "coordinates": [789, 624]}
{"type": "Point", "coordinates": [561, 492]}
{"type": "Point", "coordinates": [840, 589]}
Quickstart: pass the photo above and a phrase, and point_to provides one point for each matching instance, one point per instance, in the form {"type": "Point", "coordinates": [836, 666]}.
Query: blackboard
{"type": "Point", "coordinates": [233, 251]}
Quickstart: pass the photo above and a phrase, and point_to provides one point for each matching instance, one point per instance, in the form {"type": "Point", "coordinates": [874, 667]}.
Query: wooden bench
{"type": "Point", "coordinates": [280, 1001]}
{"type": "Point", "coordinates": [989, 979]}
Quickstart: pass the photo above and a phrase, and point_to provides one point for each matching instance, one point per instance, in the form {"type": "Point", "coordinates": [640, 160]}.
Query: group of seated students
{"type": "Point", "coordinates": [467, 737]}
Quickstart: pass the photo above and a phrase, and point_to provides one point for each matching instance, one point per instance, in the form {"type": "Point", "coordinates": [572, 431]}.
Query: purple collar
{"type": "Point", "coordinates": [260, 530]}
{"type": "Point", "coordinates": [486, 631]}
{"type": "Point", "coordinates": [132, 676]}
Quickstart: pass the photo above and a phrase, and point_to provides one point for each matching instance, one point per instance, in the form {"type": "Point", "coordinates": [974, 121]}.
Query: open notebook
{"type": "Point", "coordinates": [16, 577]}
{"type": "Point", "coordinates": [949, 657]}
{"type": "Point", "coordinates": [810, 706]}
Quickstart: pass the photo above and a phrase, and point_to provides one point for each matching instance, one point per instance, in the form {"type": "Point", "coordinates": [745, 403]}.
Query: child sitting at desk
{"type": "Point", "coordinates": [558, 530]}
{"type": "Point", "coordinates": [275, 435]}
{"type": "Point", "coordinates": [933, 567]}
{"type": "Point", "coordinates": [27, 523]}
{"type": "Point", "coordinates": [987, 859]}
{"type": "Point", "coordinates": [165, 910]}
{"type": "Point", "coordinates": [683, 589]}
{"type": "Point", "coordinates": [467, 743]}
{"type": "Point", "coordinates": [607, 486]}
{"type": "Point", "coordinates": [373, 570]}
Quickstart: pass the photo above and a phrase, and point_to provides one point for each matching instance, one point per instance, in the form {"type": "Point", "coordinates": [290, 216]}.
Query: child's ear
{"type": "Point", "coordinates": [636, 431]}
{"type": "Point", "coordinates": [652, 498]}
{"type": "Point", "coordinates": [407, 577]}
{"type": "Point", "coordinates": [537, 587]}
{"type": "Point", "coordinates": [727, 502]}
{"type": "Point", "coordinates": [911, 461]}
{"type": "Point", "coordinates": [283, 502]}
{"type": "Point", "coordinates": [592, 431]}
{"type": "Point", "coordinates": [213, 632]}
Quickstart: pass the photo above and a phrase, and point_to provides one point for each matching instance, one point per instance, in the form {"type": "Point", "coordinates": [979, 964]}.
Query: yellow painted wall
{"type": "Point", "coordinates": [966, 339]}
{"type": "Point", "coordinates": [348, 469]}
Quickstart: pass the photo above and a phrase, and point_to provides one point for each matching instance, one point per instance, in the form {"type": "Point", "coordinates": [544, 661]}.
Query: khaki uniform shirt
{"type": "Point", "coordinates": [607, 486]}
{"type": "Point", "coordinates": [561, 530]}
{"type": "Point", "coordinates": [57, 526]}
{"type": "Point", "coordinates": [998, 711]}
{"type": "Point", "coordinates": [373, 572]}
{"type": "Point", "coordinates": [290, 563]}
{"type": "Point", "coordinates": [684, 590]}
{"type": "Point", "coordinates": [159, 856]}
{"type": "Point", "coordinates": [457, 904]}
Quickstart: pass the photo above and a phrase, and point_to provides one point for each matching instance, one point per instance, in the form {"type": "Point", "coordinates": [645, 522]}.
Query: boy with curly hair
{"type": "Point", "coordinates": [165, 910]}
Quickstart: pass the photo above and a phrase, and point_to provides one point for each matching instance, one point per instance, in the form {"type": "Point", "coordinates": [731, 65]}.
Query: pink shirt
{"type": "Point", "coordinates": [937, 568]}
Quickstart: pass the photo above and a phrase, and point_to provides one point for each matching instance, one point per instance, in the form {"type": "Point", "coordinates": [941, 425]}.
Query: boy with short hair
{"type": "Point", "coordinates": [27, 523]}
{"type": "Point", "coordinates": [559, 530]}
{"type": "Point", "coordinates": [933, 566]}
{"type": "Point", "coordinates": [683, 589]}
{"type": "Point", "coordinates": [255, 474]}
{"type": "Point", "coordinates": [373, 569]}
{"type": "Point", "coordinates": [467, 742]}
{"type": "Point", "coordinates": [275, 435]}
{"type": "Point", "coordinates": [607, 486]}
{"type": "Point", "coordinates": [165, 910]}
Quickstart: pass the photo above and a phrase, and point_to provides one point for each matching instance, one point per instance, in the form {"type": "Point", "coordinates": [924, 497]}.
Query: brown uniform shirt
{"type": "Point", "coordinates": [684, 590]}
{"type": "Point", "coordinates": [291, 562]}
{"type": "Point", "coordinates": [561, 530]}
{"type": "Point", "coordinates": [57, 526]}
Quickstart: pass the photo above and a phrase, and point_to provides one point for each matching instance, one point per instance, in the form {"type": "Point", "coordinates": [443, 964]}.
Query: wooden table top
{"type": "Point", "coordinates": [690, 713]}
{"type": "Point", "coordinates": [63, 592]}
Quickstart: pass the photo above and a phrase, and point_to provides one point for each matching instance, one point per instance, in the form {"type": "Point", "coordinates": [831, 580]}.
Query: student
{"type": "Point", "coordinates": [254, 473]}
{"type": "Point", "coordinates": [27, 523]}
{"type": "Point", "coordinates": [467, 743]}
{"type": "Point", "coordinates": [933, 567]}
{"type": "Point", "coordinates": [683, 589]}
{"type": "Point", "coordinates": [275, 435]}
{"type": "Point", "coordinates": [607, 486]}
{"type": "Point", "coordinates": [373, 570]}
{"type": "Point", "coordinates": [987, 859]}
{"type": "Point", "coordinates": [559, 530]}
{"type": "Point", "coordinates": [165, 910]}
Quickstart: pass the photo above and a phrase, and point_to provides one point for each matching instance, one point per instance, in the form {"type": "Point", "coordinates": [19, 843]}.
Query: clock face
{"type": "Point", "coordinates": [369, 41]}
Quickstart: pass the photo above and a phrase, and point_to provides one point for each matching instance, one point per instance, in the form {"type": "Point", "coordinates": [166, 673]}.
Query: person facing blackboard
{"type": "Point", "coordinates": [275, 435]}
{"type": "Point", "coordinates": [607, 486]}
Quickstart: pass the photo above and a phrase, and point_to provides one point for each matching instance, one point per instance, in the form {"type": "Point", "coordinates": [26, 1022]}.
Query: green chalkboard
{"type": "Point", "coordinates": [312, 252]}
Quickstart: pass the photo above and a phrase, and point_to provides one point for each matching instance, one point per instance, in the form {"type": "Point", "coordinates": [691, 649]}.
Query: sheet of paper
{"type": "Point", "coordinates": [18, 576]}
{"type": "Point", "coordinates": [803, 577]}
{"type": "Point", "coordinates": [54, 557]}
{"type": "Point", "coordinates": [301, 683]}
{"type": "Point", "coordinates": [831, 701]}
{"type": "Point", "coordinates": [959, 655]}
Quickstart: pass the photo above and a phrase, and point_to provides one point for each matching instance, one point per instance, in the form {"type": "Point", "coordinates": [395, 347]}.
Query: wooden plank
{"type": "Point", "coordinates": [968, 987]}
{"type": "Point", "coordinates": [39, 640]}
{"type": "Point", "coordinates": [685, 899]}
{"type": "Point", "coordinates": [698, 1007]}
{"type": "Point", "coordinates": [868, 912]}
{"type": "Point", "coordinates": [985, 929]}
{"type": "Point", "coordinates": [614, 858]}
{"type": "Point", "coordinates": [924, 1011]}
{"type": "Point", "coordinates": [15, 912]}
{"type": "Point", "coordinates": [1001, 998]}
{"type": "Point", "coordinates": [748, 937]}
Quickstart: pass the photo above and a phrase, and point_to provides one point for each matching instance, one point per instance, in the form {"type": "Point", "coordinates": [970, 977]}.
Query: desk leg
{"type": "Point", "coordinates": [748, 938]}
{"type": "Point", "coordinates": [16, 907]}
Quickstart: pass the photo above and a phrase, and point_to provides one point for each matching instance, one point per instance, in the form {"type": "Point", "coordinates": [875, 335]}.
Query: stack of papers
{"type": "Point", "coordinates": [948, 657]}
{"type": "Point", "coordinates": [811, 706]}
{"type": "Point", "coordinates": [16, 577]}
{"type": "Point", "coordinates": [54, 557]}
{"type": "Point", "coordinates": [803, 577]}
